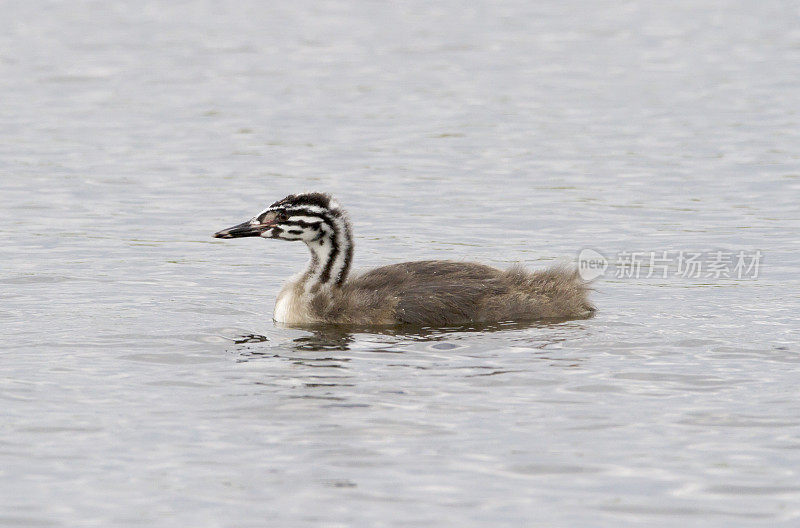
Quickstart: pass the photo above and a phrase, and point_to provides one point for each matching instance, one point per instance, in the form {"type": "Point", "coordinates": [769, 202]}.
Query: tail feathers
{"type": "Point", "coordinates": [554, 292]}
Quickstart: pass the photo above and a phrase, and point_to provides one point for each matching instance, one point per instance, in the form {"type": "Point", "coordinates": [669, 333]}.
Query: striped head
{"type": "Point", "coordinates": [306, 217]}
{"type": "Point", "coordinates": [314, 218]}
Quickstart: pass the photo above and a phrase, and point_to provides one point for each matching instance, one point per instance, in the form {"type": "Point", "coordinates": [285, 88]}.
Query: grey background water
{"type": "Point", "coordinates": [510, 132]}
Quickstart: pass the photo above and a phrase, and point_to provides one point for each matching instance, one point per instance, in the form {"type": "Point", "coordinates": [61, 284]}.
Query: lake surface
{"type": "Point", "coordinates": [143, 383]}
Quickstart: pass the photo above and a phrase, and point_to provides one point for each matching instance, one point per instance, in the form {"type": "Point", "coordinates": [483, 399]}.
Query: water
{"type": "Point", "coordinates": [143, 382]}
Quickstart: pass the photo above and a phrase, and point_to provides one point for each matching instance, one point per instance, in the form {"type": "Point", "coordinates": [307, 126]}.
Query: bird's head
{"type": "Point", "coordinates": [308, 217]}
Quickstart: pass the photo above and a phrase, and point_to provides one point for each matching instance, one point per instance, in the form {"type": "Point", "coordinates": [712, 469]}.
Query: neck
{"type": "Point", "coordinates": [331, 255]}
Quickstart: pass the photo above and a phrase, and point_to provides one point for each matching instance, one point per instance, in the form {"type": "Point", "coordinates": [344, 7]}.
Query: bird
{"type": "Point", "coordinates": [427, 293]}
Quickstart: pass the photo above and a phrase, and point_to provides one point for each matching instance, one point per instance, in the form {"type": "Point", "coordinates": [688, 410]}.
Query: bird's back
{"type": "Point", "coordinates": [441, 293]}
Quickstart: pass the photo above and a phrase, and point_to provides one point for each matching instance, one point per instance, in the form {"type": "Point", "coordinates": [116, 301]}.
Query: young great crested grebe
{"type": "Point", "coordinates": [428, 292]}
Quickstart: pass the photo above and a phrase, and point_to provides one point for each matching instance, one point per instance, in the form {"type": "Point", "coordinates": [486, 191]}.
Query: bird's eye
{"type": "Point", "coordinates": [282, 217]}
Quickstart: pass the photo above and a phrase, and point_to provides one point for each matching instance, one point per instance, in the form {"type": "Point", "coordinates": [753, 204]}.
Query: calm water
{"type": "Point", "coordinates": [143, 383]}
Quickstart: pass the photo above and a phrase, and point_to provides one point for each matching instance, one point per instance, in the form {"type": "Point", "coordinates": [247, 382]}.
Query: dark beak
{"type": "Point", "coordinates": [245, 229]}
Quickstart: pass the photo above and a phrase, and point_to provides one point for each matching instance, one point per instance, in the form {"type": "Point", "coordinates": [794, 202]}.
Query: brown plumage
{"type": "Point", "coordinates": [424, 293]}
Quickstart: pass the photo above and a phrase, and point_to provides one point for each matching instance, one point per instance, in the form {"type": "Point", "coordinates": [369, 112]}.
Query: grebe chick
{"type": "Point", "coordinates": [429, 292]}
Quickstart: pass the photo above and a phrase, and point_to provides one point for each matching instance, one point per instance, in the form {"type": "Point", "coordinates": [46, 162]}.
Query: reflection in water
{"type": "Point", "coordinates": [324, 340]}
{"type": "Point", "coordinates": [327, 362]}
{"type": "Point", "coordinates": [256, 346]}
{"type": "Point", "coordinates": [394, 339]}
{"type": "Point", "coordinates": [250, 338]}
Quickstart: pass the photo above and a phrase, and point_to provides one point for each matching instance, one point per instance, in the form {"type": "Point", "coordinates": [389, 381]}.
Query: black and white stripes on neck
{"type": "Point", "coordinates": [318, 221]}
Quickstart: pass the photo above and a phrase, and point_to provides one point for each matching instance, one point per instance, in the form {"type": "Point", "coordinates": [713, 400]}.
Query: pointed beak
{"type": "Point", "coordinates": [245, 229]}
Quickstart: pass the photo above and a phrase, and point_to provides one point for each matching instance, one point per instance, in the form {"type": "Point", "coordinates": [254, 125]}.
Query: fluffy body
{"type": "Point", "coordinates": [437, 293]}
{"type": "Point", "coordinates": [424, 293]}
